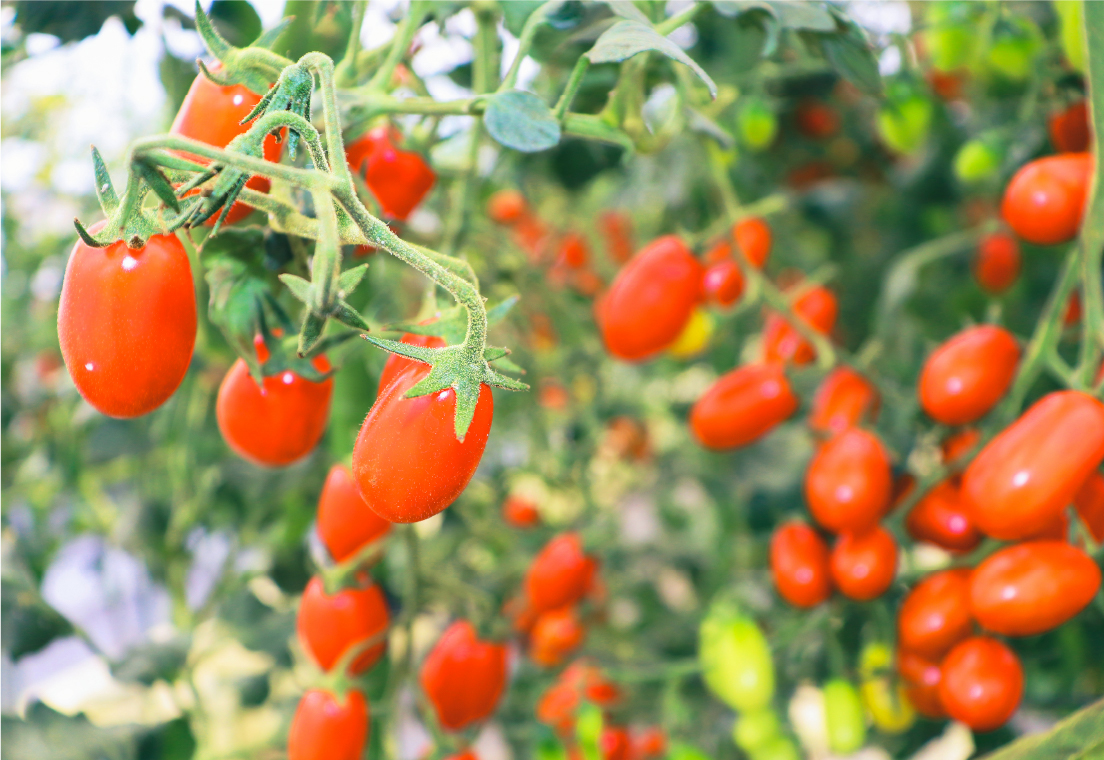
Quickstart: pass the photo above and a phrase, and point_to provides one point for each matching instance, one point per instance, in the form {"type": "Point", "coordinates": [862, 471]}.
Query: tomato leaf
{"type": "Point", "coordinates": [625, 9]}
{"type": "Point", "coordinates": [520, 120]}
{"type": "Point", "coordinates": [350, 278]}
{"type": "Point", "coordinates": [625, 39]}
{"type": "Point", "coordinates": [235, 304]}
{"type": "Point", "coordinates": [851, 56]}
{"type": "Point", "coordinates": [1078, 737]}
{"type": "Point", "coordinates": [347, 315]}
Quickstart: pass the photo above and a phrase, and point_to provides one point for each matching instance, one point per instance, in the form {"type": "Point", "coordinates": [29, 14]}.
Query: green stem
{"type": "Point", "coordinates": [1091, 244]}
{"type": "Point", "coordinates": [525, 41]}
{"type": "Point", "coordinates": [667, 26]}
{"type": "Point", "coordinates": [321, 65]}
{"type": "Point", "coordinates": [573, 83]}
{"type": "Point", "coordinates": [345, 74]}
{"type": "Point", "coordinates": [404, 35]}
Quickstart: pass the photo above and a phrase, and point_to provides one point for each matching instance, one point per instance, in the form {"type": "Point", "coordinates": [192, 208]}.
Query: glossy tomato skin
{"type": "Point", "coordinates": [1032, 587]}
{"type": "Point", "coordinates": [742, 406]}
{"type": "Point", "coordinates": [556, 634]}
{"type": "Point", "coordinates": [1089, 502]}
{"type": "Point", "coordinates": [1044, 201]}
{"type": "Point", "coordinates": [864, 564]}
{"type": "Point", "coordinates": [799, 565]}
{"type": "Point", "coordinates": [399, 179]}
{"type": "Point", "coordinates": [723, 283]}
{"type": "Point", "coordinates": [997, 263]}
{"type": "Point", "coordinates": [345, 523]}
{"type": "Point", "coordinates": [615, 743]}
{"type": "Point", "coordinates": [396, 365]}
{"type": "Point", "coordinates": [407, 461]}
{"type": "Point", "coordinates": [329, 625]}
{"type": "Point", "coordinates": [507, 207]}
{"type": "Point", "coordinates": [967, 375]}
{"type": "Point", "coordinates": [1030, 471]}
{"type": "Point", "coordinates": [936, 614]}
{"type": "Point", "coordinates": [574, 251]}
{"type": "Point", "coordinates": [650, 300]}
{"type": "Point", "coordinates": [559, 574]}
{"type": "Point", "coordinates": [981, 683]}
{"type": "Point", "coordinates": [1069, 129]}
{"type": "Point", "coordinates": [922, 678]}
{"type": "Point", "coordinates": [127, 323]}
{"type": "Point", "coordinates": [942, 519]}
{"type": "Point", "coordinates": [326, 727]}
{"type": "Point", "coordinates": [463, 677]}
{"type": "Point", "coordinates": [844, 399]}
{"type": "Point", "coordinates": [782, 342]}
{"type": "Point", "coordinates": [848, 483]}
{"type": "Point", "coordinates": [754, 238]}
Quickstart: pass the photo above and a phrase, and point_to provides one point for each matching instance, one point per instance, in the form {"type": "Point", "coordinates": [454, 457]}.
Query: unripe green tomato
{"type": "Point", "coordinates": [975, 161]}
{"type": "Point", "coordinates": [754, 729]}
{"type": "Point", "coordinates": [757, 124]}
{"type": "Point", "coordinates": [843, 711]}
{"type": "Point", "coordinates": [905, 128]}
{"type": "Point", "coordinates": [1011, 52]}
{"type": "Point", "coordinates": [736, 662]}
{"type": "Point", "coordinates": [1071, 15]}
{"type": "Point", "coordinates": [778, 748]}
{"type": "Point", "coordinates": [588, 726]}
{"type": "Point", "coordinates": [949, 47]}
{"type": "Point", "coordinates": [680, 751]}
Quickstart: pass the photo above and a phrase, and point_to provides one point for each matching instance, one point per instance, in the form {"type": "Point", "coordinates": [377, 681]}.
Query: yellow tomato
{"type": "Point", "coordinates": [695, 337]}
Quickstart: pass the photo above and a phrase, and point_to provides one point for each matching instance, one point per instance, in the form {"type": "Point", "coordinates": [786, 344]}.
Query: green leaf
{"type": "Point", "coordinates": [350, 278]}
{"type": "Point", "coordinates": [1078, 737]}
{"type": "Point", "coordinates": [851, 56]}
{"type": "Point", "coordinates": [268, 38]}
{"type": "Point", "coordinates": [237, 291]}
{"type": "Point", "coordinates": [625, 39]}
{"type": "Point", "coordinates": [520, 120]}
{"type": "Point", "coordinates": [625, 9]}
{"type": "Point", "coordinates": [806, 16]}
{"type": "Point", "coordinates": [593, 127]}
{"type": "Point", "coordinates": [516, 12]}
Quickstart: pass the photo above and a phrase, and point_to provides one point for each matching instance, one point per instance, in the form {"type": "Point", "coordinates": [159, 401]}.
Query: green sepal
{"type": "Point", "coordinates": [331, 342]}
{"type": "Point", "coordinates": [507, 364]}
{"type": "Point", "coordinates": [268, 38]}
{"type": "Point", "coordinates": [347, 315]}
{"type": "Point", "coordinates": [310, 332]}
{"type": "Point", "coordinates": [498, 380]}
{"type": "Point", "coordinates": [422, 354]}
{"type": "Point", "coordinates": [299, 287]}
{"type": "Point", "coordinates": [350, 278]}
{"type": "Point", "coordinates": [452, 325]}
{"type": "Point", "coordinates": [292, 92]}
{"type": "Point", "coordinates": [256, 67]}
{"type": "Point", "coordinates": [491, 353]}
{"type": "Point", "coordinates": [105, 191]}
{"type": "Point", "coordinates": [214, 41]}
{"type": "Point", "coordinates": [157, 182]}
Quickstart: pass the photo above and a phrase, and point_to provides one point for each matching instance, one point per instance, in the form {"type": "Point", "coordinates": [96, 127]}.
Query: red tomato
{"type": "Point", "coordinates": [967, 375]}
{"type": "Point", "coordinates": [557, 707]}
{"type": "Point", "coordinates": [615, 744]}
{"type": "Point", "coordinates": [742, 406]}
{"type": "Point", "coordinates": [376, 139]}
{"type": "Point", "coordinates": [520, 512]}
{"type": "Point", "coordinates": [940, 518]}
{"type": "Point", "coordinates": [277, 423]}
{"type": "Point", "coordinates": [326, 727]}
{"type": "Point", "coordinates": [574, 251]}
{"type": "Point", "coordinates": [650, 300]}
{"type": "Point", "coordinates": [553, 396]}
{"type": "Point", "coordinates": [816, 120]}
{"type": "Point", "coordinates": [799, 565]}
{"type": "Point", "coordinates": [464, 677]}
{"type": "Point", "coordinates": [345, 523]}
{"type": "Point", "coordinates": [1089, 502]}
{"type": "Point", "coordinates": [507, 207]}
{"type": "Point", "coordinates": [465, 755]}
{"type": "Point", "coordinates": [981, 683]}
{"type": "Point", "coordinates": [650, 742]}
{"type": "Point", "coordinates": [956, 447]}
{"type": "Point", "coordinates": [948, 86]}
{"type": "Point", "coordinates": [1026, 475]}
{"type": "Point", "coordinates": [936, 614]}
{"type": "Point", "coordinates": [1072, 314]}
{"type": "Point", "coordinates": [127, 323]}
{"type": "Point", "coordinates": [921, 678]}
{"type": "Point", "coordinates": [329, 625]}
{"type": "Point", "coordinates": [997, 264]}
{"type": "Point", "coordinates": [781, 340]}
{"type": "Point", "coordinates": [753, 237]}
{"type": "Point", "coordinates": [1069, 129]}
{"type": "Point", "coordinates": [723, 283]}
{"type": "Point", "coordinates": [556, 634]}
{"type": "Point", "coordinates": [396, 364]}
{"type": "Point", "coordinates": [864, 564]}
{"type": "Point", "coordinates": [721, 251]}
{"type": "Point", "coordinates": [616, 227]}
{"type": "Point", "coordinates": [844, 399]}
{"type": "Point", "coordinates": [399, 179]}
{"type": "Point", "coordinates": [559, 574]}
{"type": "Point", "coordinates": [1044, 201]}
{"type": "Point", "coordinates": [407, 461]}
{"type": "Point", "coordinates": [848, 483]}
{"type": "Point", "coordinates": [1032, 587]}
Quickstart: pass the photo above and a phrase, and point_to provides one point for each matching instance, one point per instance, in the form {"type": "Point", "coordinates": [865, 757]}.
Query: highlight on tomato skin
{"type": "Point", "coordinates": [848, 482]}
{"type": "Point", "coordinates": [968, 374]}
{"type": "Point", "coordinates": [941, 518]}
{"type": "Point", "coordinates": [935, 615]}
{"type": "Point", "coordinates": [864, 564]}
{"type": "Point", "coordinates": [799, 563]}
{"type": "Point", "coordinates": [1045, 199]}
{"type": "Point", "coordinates": [981, 683]}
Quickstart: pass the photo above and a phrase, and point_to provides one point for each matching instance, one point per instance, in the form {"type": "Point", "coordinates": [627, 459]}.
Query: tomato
{"type": "Point", "coordinates": [1071, 17]}
{"type": "Point", "coordinates": [723, 283]}
{"type": "Point", "coordinates": [864, 564]}
{"type": "Point", "coordinates": [398, 179]}
{"type": "Point", "coordinates": [777, 748]}
{"type": "Point", "coordinates": [507, 207]}
{"type": "Point", "coordinates": [904, 125]}
{"type": "Point", "coordinates": [127, 323]}
{"type": "Point", "coordinates": [520, 512]}
{"type": "Point", "coordinates": [955, 448]}
{"type": "Point", "coordinates": [463, 677]}
{"type": "Point", "coordinates": [327, 727]}
{"type": "Point", "coordinates": [559, 574]}
{"type": "Point", "coordinates": [278, 422]}
{"type": "Point", "coordinates": [844, 399]}
{"type": "Point", "coordinates": [574, 250]}
{"type": "Point", "coordinates": [942, 519]}
{"type": "Point", "coordinates": [329, 625]}
{"type": "Point", "coordinates": [557, 707]}
{"type": "Point", "coordinates": [848, 483]}
{"type": "Point", "coordinates": [556, 634]}
{"type": "Point", "coordinates": [997, 263]}
{"type": "Point", "coordinates": [396, 365]}
{"type": "Point", "coordinates": [1045, 199]}
{"type": "Point", "coordinates": [922, 678]}
{"type": "Point", "coordinates": [1012, 50]}
{"type": "Point", "coordinates": [579, 680]}
{"type": "Point", "coordinates": [1089, 502]}
{"type": "Point", "coordinates": [465, 755]}
{"type": "Point", "coordinates": [816, 120]}
{"type": "Point", "coordinates": [757, 124]}
{"type": "Point", "coordinates": [1072, 315]}
{"type": "Point", "coordinates": [885, 701]}
{"type": "Point", "coordinates": [649, 742]}
{"type": "Point", "coordinates": [1069, 129]}
{"type": "Point", "coordinates": [799, 565]}
{"type": "Point", "coordinates": [1031, 470]}
{"type": "Point", "coordinates": [976, 161]}
{"type": "Point", "coordinates": [753, 237]}
{"type": "Point", "coordinates": [947, 86]}
{"type": "Point", "coordinates": [742, 406]}
{"type": "Point", "coordinates": [981, 683]}
{"type": "Point", "coordinates": [781, 340]}
{"type": "Point", "coordinates": [967, 375]}
{"type": "Point", "coordinates": [407, 461]}
{"type": "Point", "coordinates": [695, 336]}
{"type": "Point", "coordinates": [650, 300]}
{"type": "Point", "coordinates": [736, 661]}
{"type": "Point", "coordinates": [844, 713]}
{"type": "Point", "coordinates": [532, 236]}
{"type": "Point", "coordinates": [936, 614]}
{"type": "Point", "coordinates": [755, 728]}
{"type": "Point", "coordinates": [1032, 587]}
{"type": "Point", "coordinates": [345, 523]}
{"type": "Point", "coordinates": [616, 228]}
{"type": "Point", "coordinates": [615, 743]}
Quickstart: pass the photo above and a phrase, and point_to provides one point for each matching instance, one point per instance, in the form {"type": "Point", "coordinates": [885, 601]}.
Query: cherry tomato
{"type": "Point", "coordinates": [329, 625]}
{"type": "Point", "coordinates": [407, 461]}
{"type": "Point", "coordinates": [864, 564]}
{"type": "Point", "coordinates": [559, 574]}
{"type": "Point", "coordinates": [327, 727]}
{"type": "Point", "coordinates": [948, 86]}
{"type": "Point", "coordinates": [556, 634]}
{"type": "Point", "coordinates": [1013, 48]}
{"type": "Point", "coordinates": [799, 565]}
{"type": "Point", "coordinates": [816, 120]}
{"type": "Point", "coordinates": [936, 614]}
{"type": "Point", "coordinates": [736, 661]}
{"type": "Point", "coordinates": [1026, 475]}
{"type": "Point", "coordinates": [757, 124]}
{"type": "Point", "coordinates": [742, 406]}
{"type": "Point", "coordinates": [465, 755]}
{"type": "Point", "coordinates": [574, 251]}
{"type": "Point", "coordinates": [843, 712]}
{"type": "Point", "coordinates": [997, 264]}
{"type": "Point", "coordinates": [942, 519]}
{"type": "Point", "coordinates": [345, 523]}
{"type": "Point", "coordinates": [723, 283]}
{"type": "Point", "coordinates": [848, 483]}
{"type": "Point", "coordinates": [557, 707]}
{"type": "Point", "coordinates": [650, 300]}
{"type": "Point", "coordinates": [754, 729]}
{"type": "Point", "coordinates": [277, 423]}
{"type": "Point", "coordinates": [922, 678]}
{"type": "Point", "coordinates": [520, 512]}
{"type": "Point", "coordinates": [1089, 502]}
{"type": "Point", "coordinates": [1072, 315]}
{"type": "Point", "coordinates": [695, 336]}
{"type": "Point", "coordinates": [1032, 587]}
{"type": "Point", "coordinates": [127, 323]}
{"type": "Point", "coordinates": [956, 447]}
{"type": "Point", "coordinates": [463, 677]}
{"type": "Point", "coordinates": [844, 399]}
{"type": "Point", "coordinates": [1069, 129]}
{"type": "Point", "coordinates": [579, 680]}
{"type": "Point", "coordinates": [981, 683]}
{"type": "Point", "coordinates": [507, 207]}
{"type": "Point", "coordinates": [616, 228]}
{"type": "Point", "coordinates": [398, 179]}
{"type": "Point", "coordinates": [904, 125]}
{"type": "Point", "coordinates": [976, 161]}
{"type": "Point", "coordinates": [967, 375]}
{"type": "Point", "coordinates": [781, 340]}
{"type": "Point", "coordinates": [885, 701]}
{"type": "Point", "coordinates": [649, 742]}
{"type": "Point", "coordinates": [1045, 199]}
{"type": "Point", "coordinates": [753, 237]}
{"type": "Point", "coordinates": [615, 743]}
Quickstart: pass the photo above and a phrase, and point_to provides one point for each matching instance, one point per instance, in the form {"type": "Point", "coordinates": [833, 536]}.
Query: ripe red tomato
{"type": "Point", "coordinates": [465, 755]}
{"type": "Point", "coordinates": [948, 86]}
{"type": "Point", "coordinates": [327, 727]}
{"type": "Point", "coordinates": [557, 707]}
{"type": "Point", "coordinates": [1032, 587]}
{"type": "Point", "coordinates": [329, 625]}
{"type": "Point", "coordinates": [277, 423]}
{"type": "Point", "coordinates": [816, 120]}
{"type": "Point", "coordinates": [464, 677]}
{"type": "Point", "coordinates": [936, 614]}
{"type": "Point", "coordinates": [574, 251]}
{"type": "Point", "coordinates": [981, 683]}
{"type": "Point", "coordinates": [407, 461]}
{"type": "Point", "coordinates": [396, 365]}
{"type": "Point", "coordinates": [650, 300]}
{"type": "Point", "coordinates": [844, 399]}
{"type": "Point", "coordinates": [650, 742]}
{"type": "Point", "coordinates": [848, 483]}
{"type": "Point", "coordinates": [799, 565]}
{"type": "Point", "coordinates": [520, 512]}
{"type": "Point", "coordinates": [556, 634]}
{"type": "Point", "coordinates": [997, 264]}
{"type": "Point", "coordinates": [941, 518]}
{"type": "Point", "coordinates": [507, 207]}
{"type": "Point", "coordinates": [127, 323]}
{"type": "Point", "coordinates": [723, 283]}
{"type": "Point", "coordinates": [742, 406]}
{"type": "Point", "coordinates": [579, 680]}
{"type": "Point", "coordinates": [345, 523]}
{"type": "Point", "coordinates": [1028, 474]}
{"type": "Point", "coordinates": [753, 237]}
{"type": "Point", "coordinates": [559, 574]}
{"type": "Point", "coordinates": [781, 340]}
{"type": "Point", "coordinates": [1072, 314]}
{"type": "Point", "coordinates": [1069, 129]}
{"type": "Point", "coordinates": [967, 375]}
{"type": "Point", "coordinates": [864, 564]}
{"type": "Point", "coordinates": [399, 179]}
{"type": "Point", "coordinates": [921, 677]}
{"type": "Point", "coordinates": [616, 228]}
{"type": "Point", "coordinates": [1089, 502]}
{"type": "Point", "coordinates": [1044, 201]}
{"type": "Point", "coordinates": [614, 743]}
